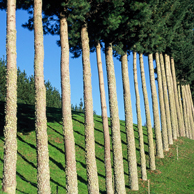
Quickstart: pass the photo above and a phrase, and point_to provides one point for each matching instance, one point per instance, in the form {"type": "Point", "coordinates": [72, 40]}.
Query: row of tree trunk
{"type": "Point", "coordinates": [176, 112]}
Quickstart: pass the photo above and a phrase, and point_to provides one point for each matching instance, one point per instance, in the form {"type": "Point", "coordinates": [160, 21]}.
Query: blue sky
{"type": "Point", "coordinates": [25, 61]}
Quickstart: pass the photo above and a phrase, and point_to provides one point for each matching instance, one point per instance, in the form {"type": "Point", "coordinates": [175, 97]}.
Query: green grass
{"type": "Point", "coordinates": [171, 176]}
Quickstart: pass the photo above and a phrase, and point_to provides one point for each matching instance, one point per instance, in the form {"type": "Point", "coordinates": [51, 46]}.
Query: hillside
{"type": "Point", "coordinates": [171, 176]}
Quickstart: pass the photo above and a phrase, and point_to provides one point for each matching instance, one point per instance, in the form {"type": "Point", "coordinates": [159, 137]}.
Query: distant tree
{"type": "Point", "coordinates": [81, 105]}
{"type": "Point", "coordinates": [10, 128]}
{"type": "Point", "coordinates": [43, 171]}
{"type": "Point", "coordinates": [3, 79]}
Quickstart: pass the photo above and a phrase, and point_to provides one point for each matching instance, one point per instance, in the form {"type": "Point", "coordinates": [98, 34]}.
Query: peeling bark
{"type": "Point", "coordinates": [43, 171]}
{"type": "Point", "coordinates": [10, 128]}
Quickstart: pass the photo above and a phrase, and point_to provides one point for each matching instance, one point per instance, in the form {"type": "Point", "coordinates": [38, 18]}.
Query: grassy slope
{"type": "Point", "coordinates": [171, 176]}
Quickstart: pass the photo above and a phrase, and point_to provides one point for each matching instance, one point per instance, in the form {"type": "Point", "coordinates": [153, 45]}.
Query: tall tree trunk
{"type": "Point", "coordinates": [43, 171]}
{"type": "Point", "coordinates": [162, 109]}
{"type": "Point", "coordinates": [89, 121]}
{"type": "Point", "coordinates": [186, 119]}
{"type": "Point", "coordinates": [166, 101]}
{"type": "Point", "coordinates": [10, 129]}
{"type": "Point", "coordinates": [171, 99]}
{"type": "Point", "coordinates": [159, 148]}
{"type": "Point", "coordinates": [131, 149]}
{"type": "Point", "coordinates": [139, 122]}
{"type": "Point", "coordinates": [179, 116]}
{"type": "Point", "coordinates": [148, 118]}
{"type": "Point", "coordinates": [181, 109]}
{"type": "Point", "coordinates": [107, 155]}
{"type": "Point", "coordinates": [70, 162]}
{"type": "Point", "coordinates": [190, 99]}
{"type": "Point", "coordinates": [119, 181]}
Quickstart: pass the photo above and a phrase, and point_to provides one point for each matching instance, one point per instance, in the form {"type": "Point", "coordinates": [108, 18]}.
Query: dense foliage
{"type": "Point", "coordinates": [25, 88]}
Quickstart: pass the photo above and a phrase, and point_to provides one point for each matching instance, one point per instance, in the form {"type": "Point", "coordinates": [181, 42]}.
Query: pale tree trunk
{"type": "Point", "coordinates": [159, 147]}
{"type": "Point", "coordinates": [91, 167]}
{"type": "Point", "coordinates": [148, 118]}
{"type": "Point", "coordinates": [70, 162]}
{"type": "Point", "coordinates": [139, 122]}
{"type": "Point", "coordinates": [171, 99]}
{"type": "Point", "coordinates": [43, 171]}
{"type": "Point", "coordinates": [166, 101]}
{"type": "Point", "coordinates": [189, 112]}
{"type": "Point", "coordinates": [131, 149]}
{"type": "Point", "coordinates": [190, 99]}
{"type": "Point", "coordinates": [119, 181]}
{"type": "Point", "coordinates": [187, 125]}
{"type": "Point", "coordinates": [162, 109]}
{"type": "Point", "coordinates": [107, 155]}
{"type": "Point", "coordinates": [10, 129]}
{"type": "Point", "coordinates": [179, 116]}
{"type": "Point", "coordinates": [181, 109]}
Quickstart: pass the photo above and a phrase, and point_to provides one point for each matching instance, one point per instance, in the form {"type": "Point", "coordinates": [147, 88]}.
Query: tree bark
{"type": "Point", "coordinates": [91, 167]}
{"type": "Point", "coordinates": [166, 101]}
{"type": "Point", "coordinates": [139, 122]}
{"type": "Point", "coordinates": [179, 116]}
{"type": "Point", "coordinates": [162, 109]}
{"type": "Point", "coordinates": [119, 181]}
{"type": "Point", "coordinates": [159, 148]}
{"type": "Point", "coordinates": [148, 118]}
{"type": "Point", "coordinates": [10, 129]}
{"type": "Point", "coordinates": [107, 154]}
{"type": "Point", "coordinates": [171, 99]}
{"type": "Point", "coordinates": [131, 149]}
{"type": "Point", "coordinates": [70, 162]}
{"type": "Point", "coordinates": [43, 171]}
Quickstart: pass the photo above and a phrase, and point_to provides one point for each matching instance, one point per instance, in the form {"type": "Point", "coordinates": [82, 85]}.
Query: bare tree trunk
{"type": "Point", "coordinates": [171, 99]}
{"type": "Point", "coordinates": [91, 167]}
{"type": "Point", "coordinates": [179, 116]}
{"type": "Point", "coordinates": [119, 181]}
{"type": "Point", "coordinates": [43, 171]}
{"type": "Point", "coordinates": [190, 99]}
{"type": "Point", "coordinates": [10, 129]}
{"type": "Point", "coordinates": [107, 155]}
{"type": "Point", "coordinates": [162, 109]}
{"type": "Point", "coordinates": [181, 109]}
{"type": "Point", "coordinates": [166, 101]}
{"type": "Point", "coordinates": [70, 162]}
{"type": "Point", "coordinates": [148, 118]}
{"type": "Point", "coordinates": [131, 149]}
{"type": "Point", "coordinates": [159, 148]}
{"type": "Point", "coordinates": [139, 122]}
{"type": "Point", "coordinates": [187, 125]}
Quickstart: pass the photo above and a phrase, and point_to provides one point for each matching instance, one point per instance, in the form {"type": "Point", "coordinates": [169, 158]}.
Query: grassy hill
{"type": "Point", "coordinates": [171, 176]}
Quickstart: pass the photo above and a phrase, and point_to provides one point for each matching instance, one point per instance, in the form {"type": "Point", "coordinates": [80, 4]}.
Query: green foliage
{"type": "Point", "coordinates": [26, 90]}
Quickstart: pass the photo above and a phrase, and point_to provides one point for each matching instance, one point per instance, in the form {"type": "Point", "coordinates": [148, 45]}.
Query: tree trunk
{"type": "Point", "coordinates": [159, 148]}
{"type": "Point", "coordinates": [190, 99]}
{"type": "Point", "coordinates": [43, 172]}
{"type": "Point", "coordinates": [91, 167]}
{"type": "Point", "coordinates": [171, 99]}
{"type": "Point", "coordinates": [131, 149]}
{"type": "Point", "coordinates": [166, 101]}
{"type": "Point", "coordinates": [162, 109]}
{"type": "Point", "coordinates": [10, 129]}
{"type": "Point", "coordinates": [119, 181]}
{"type": "Point", "coordinates": [181, 109]}
{"type": "Point", "coordinates": [179, 116]}
{"type": "Point", "coordinates": [148, 118]}
{"type": "Point", "coordinates": [70, 162]}
{"type": "Point", "coordinates": [107, 155]}
{"type": "Point", "coordinates": [139, 122]}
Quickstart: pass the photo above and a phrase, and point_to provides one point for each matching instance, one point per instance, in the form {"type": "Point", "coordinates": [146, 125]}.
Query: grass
{"type": "Point", "coordinates": [171, 176]}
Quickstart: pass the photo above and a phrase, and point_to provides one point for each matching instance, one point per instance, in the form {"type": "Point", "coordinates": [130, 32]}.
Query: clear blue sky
{"type": "Point", "coordinates": [25, 61]}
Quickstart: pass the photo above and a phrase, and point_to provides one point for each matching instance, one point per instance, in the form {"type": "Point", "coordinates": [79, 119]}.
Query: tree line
{"type": "Point", "coordinates": [161, 30]}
